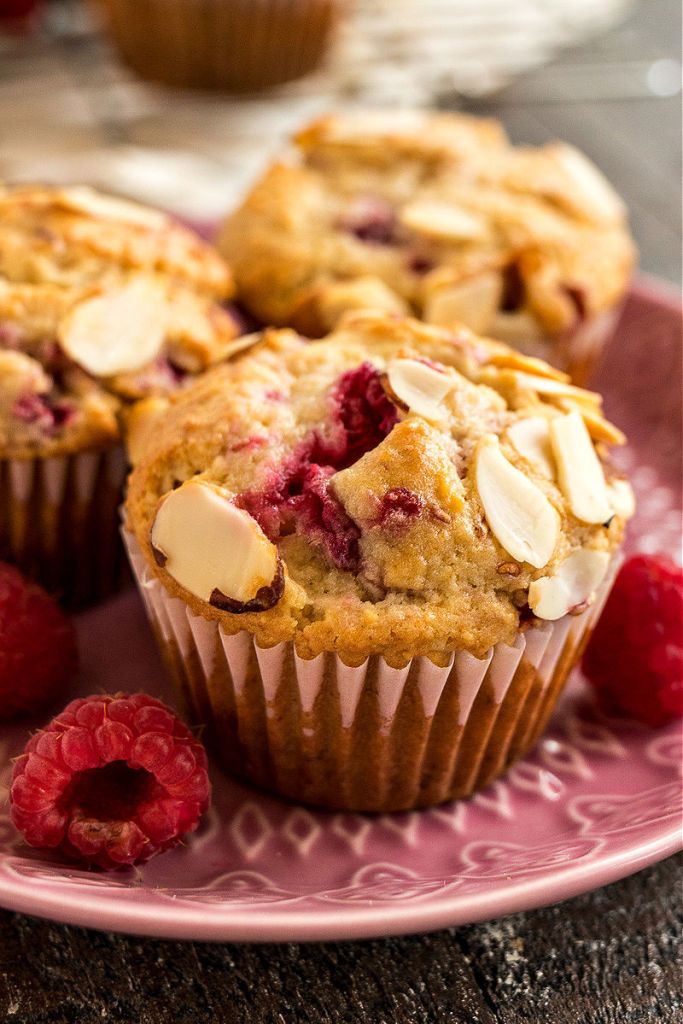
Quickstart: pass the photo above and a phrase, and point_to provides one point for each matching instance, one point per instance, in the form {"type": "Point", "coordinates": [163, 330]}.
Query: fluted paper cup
{"type": "Point", "coordinates": [366, 738]}
{"type": "Point", "coordinates": [221, 44]}
{"type": "Point", "coordinates": [59, 522]}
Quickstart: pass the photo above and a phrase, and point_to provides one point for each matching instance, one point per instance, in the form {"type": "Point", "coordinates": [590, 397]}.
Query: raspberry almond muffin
{"type": "Point", "coordinates": [102, 302]}
{"type": "Point", "coordinates": [438, 215]}
{"type": "Point", "coordinates": [371, 560]}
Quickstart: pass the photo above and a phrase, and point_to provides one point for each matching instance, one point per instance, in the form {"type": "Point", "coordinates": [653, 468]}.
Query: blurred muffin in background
{"type": "Point", "coordinates": [102, 302]}
{"type": "Point", "coordinates": [236, 45]}
{"type": "Point", "coordinates": [437, 215]}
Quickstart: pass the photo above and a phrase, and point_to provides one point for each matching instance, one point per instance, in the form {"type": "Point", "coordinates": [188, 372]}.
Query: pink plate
{"type": "Point", "coordinates": [598, 799]}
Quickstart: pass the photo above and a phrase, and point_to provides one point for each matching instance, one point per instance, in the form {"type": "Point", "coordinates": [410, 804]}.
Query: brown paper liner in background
{"type": "Point", "coordinates": [59, 522]}
{"type": "Point", "coordinates": [238, 45]}
{"type": "Point", "coordinates": [371, 738]}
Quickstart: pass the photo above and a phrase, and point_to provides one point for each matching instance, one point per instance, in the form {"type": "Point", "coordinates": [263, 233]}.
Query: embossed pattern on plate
{"type": "Point", "coordinates": [599, 797]}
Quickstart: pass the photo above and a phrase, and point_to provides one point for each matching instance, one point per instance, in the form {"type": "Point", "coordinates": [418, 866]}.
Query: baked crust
{"type": "Point", "coordinates": [414, 205]}
{"type": "Point", "coordinates": [431, 577]}
{"type": "Point", "coordinates": [61, 249]}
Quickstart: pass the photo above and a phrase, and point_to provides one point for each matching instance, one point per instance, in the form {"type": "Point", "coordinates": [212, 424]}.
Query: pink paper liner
{"type": "Point", "coordinates": [366, 738]}
{"type": "Point", "coordinates": [59, 522]}
{"type": "Point", "coordinates": [221, 44]}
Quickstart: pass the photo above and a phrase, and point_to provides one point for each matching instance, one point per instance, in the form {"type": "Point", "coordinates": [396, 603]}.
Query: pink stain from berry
{"type": "Point", "coordinates": [111, 781]}
{"type": "Point", "coordinates": [635, 657]}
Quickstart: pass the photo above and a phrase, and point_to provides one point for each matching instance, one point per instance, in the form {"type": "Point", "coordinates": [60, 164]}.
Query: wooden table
{"type": "Point", "coordinates": [605, 958]}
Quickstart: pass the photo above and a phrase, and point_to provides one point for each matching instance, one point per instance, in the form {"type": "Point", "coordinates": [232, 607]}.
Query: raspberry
{"type": "Point", "coordinates": [297, 497]}
{"type": "Point", "coordinates": [635, 659]}
{"type": "Point", "coordinates": [371, 220]}
{"type": "Point", "coordinates": [37, 646]}
{"type": "Point", "coordinates": [111, 781]}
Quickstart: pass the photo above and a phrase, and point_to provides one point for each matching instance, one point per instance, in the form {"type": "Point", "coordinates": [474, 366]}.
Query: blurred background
{"type": "Point", "coordinates": [180, 102]}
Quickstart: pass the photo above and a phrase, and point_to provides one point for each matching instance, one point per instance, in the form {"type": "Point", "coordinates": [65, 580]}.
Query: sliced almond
{"type": "Point", "coordinates": [119, 331]}
{"type": "Point", "coordinates": [472, 302]}
{"type": "Point", "coordinates": [579, 469]}
{"type": "Point", "coordinates": [519, 328]}
{"type": "Point", "coordinates": [522, 519]}
{"type": "Point", "coordinates": [83, 199]}
{"type": "Point", "coordinates": [512, 360]}
{"type": "Point", "coordinates": [215, 550]}
{"type": "Point", "coordinates": [549, 386]}
{"type": "Point", "coordinates": [442, 221]}
{"type": "Point", "coordinates": [417, 387]}
{"type": "Point", "coordinates": [591, 191]}
{"type": "Point", "coordinates": [531, 438]}
{"type": "Point", "coordinates": [598, 427]}
{"type": "Point", "coordinates": [621, 498]}
{"type": "Point", "coordinates": [571, 587]}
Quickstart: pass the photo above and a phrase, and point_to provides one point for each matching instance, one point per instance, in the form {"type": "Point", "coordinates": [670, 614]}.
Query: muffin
{"type": "Point", "coordinates": [440, 216]}
{"type": "Point", "coordinates": [102, 302]}
{"type": "Point", "coordinates": [238, 45]}
{"type": "Point", "coordinates": [371, 560]}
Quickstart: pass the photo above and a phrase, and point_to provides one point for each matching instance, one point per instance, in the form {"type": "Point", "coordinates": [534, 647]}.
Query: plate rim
{"type": "Point", "coordinates": [254, 924]}
{"type": "Point", "coordinates": [265, 923]}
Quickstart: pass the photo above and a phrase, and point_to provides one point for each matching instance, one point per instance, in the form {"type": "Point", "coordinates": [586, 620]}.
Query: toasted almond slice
{"type": "Point", "coordinates": [548, 386]}
{"type": "Point", "coordinates": [215, 550]}
{"type": "Point", "coordinates": [572, 585]}
{"type": "Point", "coordinates": [442, 221]}
{"type": "Point", "coordinates": [418, 388]}
{"type": "Point", "coordinates": [598, 427]}
{"type": "Point", "coordinates": [519, 514]}
{"type": "Point", "coordinates": [518, 328]}
{"type": "Point", "coordinates": [119, 331]}
{"type": "Point", "coordinates": [621, 497]}
{"type": "Point", "coordinates": [531, 438]}
{"type": "Point", "coordinates": [579, 469]}
{"type": "Point", "coordinates": [591, 190]}
{"type": "Point", "coordinates": [472, 302]}
{"type": "Point", "coordinates": [83, 199]}
{"type": "Point", "coordinates": [512, 360]}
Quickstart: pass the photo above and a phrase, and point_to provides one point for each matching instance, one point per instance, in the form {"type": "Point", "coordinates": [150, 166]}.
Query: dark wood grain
{"type": "Point", "coordinates": [612, 957]}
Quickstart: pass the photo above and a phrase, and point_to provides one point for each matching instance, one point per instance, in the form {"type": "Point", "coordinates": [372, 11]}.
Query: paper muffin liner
{"type": "Point", "coordinates": [221, 44]}
{"type": "Point", "coordinates": [371, 738]}
{"type": "Point", "coordinates": [59, 521]}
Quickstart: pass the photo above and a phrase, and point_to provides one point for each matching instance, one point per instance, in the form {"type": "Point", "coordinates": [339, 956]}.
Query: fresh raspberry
{"type": "Point", "coordinates": [635, 658]}
{"type": "Point", "coordinates": [111, 781]}
{"type": "Point", "coordinates": [37, 646]}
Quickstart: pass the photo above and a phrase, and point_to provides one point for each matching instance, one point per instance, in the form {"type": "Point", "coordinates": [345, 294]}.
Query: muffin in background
{"type": "Point", "coordinates": [371, 561]}
{"type": "Point", "coordinates": [437, 215]}
{"type": "Point", "coordinates": [102, 302]}
{"type": "Point", "coordinates": [236, 45]}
